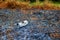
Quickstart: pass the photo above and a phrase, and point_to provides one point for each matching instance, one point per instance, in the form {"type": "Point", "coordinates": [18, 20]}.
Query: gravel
{"type": "Point", "coordinates": [40, 25]}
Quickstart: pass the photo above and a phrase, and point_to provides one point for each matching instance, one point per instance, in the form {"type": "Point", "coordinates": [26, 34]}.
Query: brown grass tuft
{"type": "Point", "coordinates": [25, 5]}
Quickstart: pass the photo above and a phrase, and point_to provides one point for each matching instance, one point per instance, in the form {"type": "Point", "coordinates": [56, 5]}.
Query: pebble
{"type": "Point", "coordinates": [24, 23]}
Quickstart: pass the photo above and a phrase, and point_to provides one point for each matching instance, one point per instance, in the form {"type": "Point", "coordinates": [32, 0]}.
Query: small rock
{"type": "Point", "coordinates": [24, 23]}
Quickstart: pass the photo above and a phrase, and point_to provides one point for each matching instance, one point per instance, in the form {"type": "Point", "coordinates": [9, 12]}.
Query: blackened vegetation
{"type": "Point", "coordinates": [56, 1]}
{"type": "Point", "coordinates": [41, 0]}
{"type": "Point", "coordinates": [44, 0]}
{"type": "Point", "coordinates": [32, 1]}
{"type": "Point", "coordinates": [35, 0]}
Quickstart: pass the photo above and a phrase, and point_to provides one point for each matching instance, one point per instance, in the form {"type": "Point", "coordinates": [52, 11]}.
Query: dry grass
{"type": "Point", "coordinates": [26, 5]}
